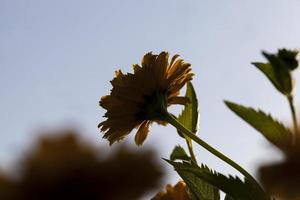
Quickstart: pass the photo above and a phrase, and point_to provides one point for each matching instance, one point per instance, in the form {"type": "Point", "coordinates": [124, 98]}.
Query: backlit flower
{"type": "Point", "coordinates": [178, 192]}
{"type": "Point", "coordinates": [136, 100]}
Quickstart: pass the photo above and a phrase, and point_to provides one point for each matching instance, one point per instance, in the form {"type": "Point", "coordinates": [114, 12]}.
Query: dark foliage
{"type": "Point", "coordinates": [63, 168]}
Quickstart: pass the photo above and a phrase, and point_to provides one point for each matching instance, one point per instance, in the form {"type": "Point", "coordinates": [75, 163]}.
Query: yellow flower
{"type": "Point", "coordinates": [136, 100]}
{"type": "Point", "coordinates": [178, 192]}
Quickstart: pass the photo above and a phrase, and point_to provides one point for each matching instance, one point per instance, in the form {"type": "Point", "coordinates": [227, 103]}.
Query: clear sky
{"type": "Point", "coordinates": [57, 57]}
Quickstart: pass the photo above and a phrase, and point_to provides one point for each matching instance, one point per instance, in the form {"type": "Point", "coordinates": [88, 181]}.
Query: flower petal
{"type": "Point", "coordinates": [142, 133]}
{"type": "Point", "coordinates": [148, 60]}
{"type": "Point", "coordinates": [161, 65]}
{"type": "Point", "coordinates": [179, 100]}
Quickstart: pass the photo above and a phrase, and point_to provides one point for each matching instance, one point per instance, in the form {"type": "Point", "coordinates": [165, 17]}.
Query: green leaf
{"type": "Point", "coordinates": [200, 190]}
{"type": "Point", "coordinates": [189, 116]}
{"type": "Point", "coordinates": [271, 129]}
{"type": "Point", "coordinates": [189, 119]}
{"type": "Point", "coordinates": [279, 68]}
{"type": "Point", "coordinates": [281, 72]}
{"type": "Point", "coordinates": [232, 186]}
{"type": "Point", "coordinates": [178, 153]}
{"type": "Point", "coordinates": [268, 70]}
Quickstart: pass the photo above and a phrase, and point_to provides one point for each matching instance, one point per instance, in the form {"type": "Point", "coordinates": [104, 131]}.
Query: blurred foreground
{"type": "Point", "coordinates": [282, 179]}
{"type": "Point", "coordinates": [63, 167]}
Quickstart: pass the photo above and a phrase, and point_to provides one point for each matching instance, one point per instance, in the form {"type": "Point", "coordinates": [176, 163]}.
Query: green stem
{"type": "Point", "coordinates": [209, 148]}
{"type": "Point", "coordinates": [291, 103]}
{"type": "Point", "coordinates": [190, 147]}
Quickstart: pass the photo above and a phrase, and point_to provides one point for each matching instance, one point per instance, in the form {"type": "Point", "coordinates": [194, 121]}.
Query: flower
{"type": "Point", "coordinates": [61, 165]}
{"type": "Point", "coordinates": [178, 192]}
{"type": "Point", "coordinates": [282, 178]}
{"type": "Point", "coordinates": [136, 100]}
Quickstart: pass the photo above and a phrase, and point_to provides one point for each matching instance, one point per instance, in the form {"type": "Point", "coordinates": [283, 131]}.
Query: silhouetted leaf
{"type": "Point", "coordinates": [281, 72]}
{"type": "Point", "coordinates": [271, 129]}
{"type": "Point", "coordinates": [200, 190]}
{"type": "Point", "coordinates": [278, 69]}
{"type": "Point", "coordinates": [189, 116]}
{"type": "Point", "coordinates": [189, 119]}
{"type": "Point", "coordinates": [232, 186]}
{"type": "Point", "coordinates": [179, 153]}
{"type": "Point", "coordinates": [268, 70]}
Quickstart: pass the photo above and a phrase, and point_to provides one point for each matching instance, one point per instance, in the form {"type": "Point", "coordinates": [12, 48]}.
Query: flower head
{"type": "Point", "coordinates": [136, 100]}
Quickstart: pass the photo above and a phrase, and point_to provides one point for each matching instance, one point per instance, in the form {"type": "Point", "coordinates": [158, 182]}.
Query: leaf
{"type": "Point", "coordinates": [189, 119]}
{"type": "Point", "coordinates": [178, 153]}
{"type": "Point", "coordinates": [200, 190]}
{"type": "Point", "coordinates": [271, 129]}
{"type": "Point", "coordinates": [279, 68]}
{"type": "Point", "coordinates": [281, 72]}
{"type": "Point", "coordinates": [267, 69]}
{"type": "Point", "coordinates": [232, 186]}
{"type": "Point", "coordinates": [189, 116]}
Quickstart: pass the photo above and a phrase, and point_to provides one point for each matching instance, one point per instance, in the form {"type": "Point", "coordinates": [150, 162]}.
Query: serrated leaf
{"type": "Point", "coordinates": [189, 116]}
{"type": "Point", "coordinates": [179, 153]}
{"type": "Point", "coordinates": [199, 189]}
{"type": "Point", "coordinates": [271, 129]}
{"type": "Point", "coordinates": [232, 186]}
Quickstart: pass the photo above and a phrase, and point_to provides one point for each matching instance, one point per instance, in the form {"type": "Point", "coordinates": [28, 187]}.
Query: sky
{"type": "Point", "coordinates": [57, 58]}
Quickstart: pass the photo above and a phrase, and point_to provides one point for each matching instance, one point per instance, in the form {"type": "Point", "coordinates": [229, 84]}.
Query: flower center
{"type": "Point", "coordinates": [154, 108]}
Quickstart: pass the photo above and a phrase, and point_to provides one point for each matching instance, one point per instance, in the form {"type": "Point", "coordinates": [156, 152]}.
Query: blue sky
{"type": "Point", "coordinates": [57, 57]}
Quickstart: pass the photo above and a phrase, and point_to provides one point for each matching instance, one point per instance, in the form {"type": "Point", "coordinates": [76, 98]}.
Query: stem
{"type": "Point", "coordinates": [190, 146]}
{"type": "Point", "coordinates": [209, 148]}
{"type": "Point", "coordinates": [292, 106]}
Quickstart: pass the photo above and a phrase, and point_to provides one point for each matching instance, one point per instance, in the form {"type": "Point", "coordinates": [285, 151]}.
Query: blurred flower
{"type": "Point", "coordinates": [7, 187]}
{"type": "Point", "coordinates": [138, 99]}
{"type": "Point", "coordinates": [62, 167]}
{"type": "Point", "coordinates": [178, 192]}
{"type": "Point", "coordinates": [282, 179]}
